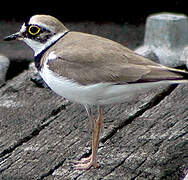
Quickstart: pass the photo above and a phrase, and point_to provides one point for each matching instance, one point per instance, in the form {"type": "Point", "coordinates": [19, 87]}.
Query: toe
{"type": "Point", "coordinates": [83, 160]}
{"type": "Point", "coordinates": [86, 166]}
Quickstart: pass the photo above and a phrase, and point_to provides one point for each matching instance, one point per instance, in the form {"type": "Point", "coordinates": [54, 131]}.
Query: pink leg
{"type": "Point", "coordinates": [86, 163]}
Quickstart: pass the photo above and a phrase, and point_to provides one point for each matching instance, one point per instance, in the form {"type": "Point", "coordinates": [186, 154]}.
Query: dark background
{"type": "Point", "coordinates": [131, 11]}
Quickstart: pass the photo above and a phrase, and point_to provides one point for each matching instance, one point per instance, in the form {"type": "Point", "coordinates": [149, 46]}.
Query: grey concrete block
{"type": "Point", "coordinates": [166, 35]}
{"type": "Point", "coordinates": [4, 64]}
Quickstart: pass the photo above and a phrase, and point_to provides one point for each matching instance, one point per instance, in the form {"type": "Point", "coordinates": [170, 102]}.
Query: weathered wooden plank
{"type": "Point", "coordinates": [40, 135]}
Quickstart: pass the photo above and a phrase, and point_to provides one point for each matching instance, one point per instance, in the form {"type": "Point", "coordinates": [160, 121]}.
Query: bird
{"type": "Point", "coordinates": [90, 70]}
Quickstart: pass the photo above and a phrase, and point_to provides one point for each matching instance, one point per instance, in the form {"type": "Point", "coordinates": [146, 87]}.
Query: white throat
{"type": "Point", "coordinates": [38, 47]}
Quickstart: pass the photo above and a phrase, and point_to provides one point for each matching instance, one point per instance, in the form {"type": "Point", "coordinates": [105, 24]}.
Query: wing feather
{"type": "Point", "coordinates": [89, 59]}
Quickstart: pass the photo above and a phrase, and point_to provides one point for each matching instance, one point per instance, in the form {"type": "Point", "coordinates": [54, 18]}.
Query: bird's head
{"type": "Point", "coordinates": [39, 32]}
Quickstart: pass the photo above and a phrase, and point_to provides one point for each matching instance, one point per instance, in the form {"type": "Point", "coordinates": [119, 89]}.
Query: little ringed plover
{"type": "Point", "coordinates": [90, 70]}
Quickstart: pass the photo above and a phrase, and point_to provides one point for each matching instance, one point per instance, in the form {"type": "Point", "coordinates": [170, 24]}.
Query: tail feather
{"type": "Point", "coordinates": [166, 74]}
{"type": "Point", "coordinates": [183, 75]}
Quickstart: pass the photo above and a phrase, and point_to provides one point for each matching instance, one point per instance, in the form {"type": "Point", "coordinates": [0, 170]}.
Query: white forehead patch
{"type": "Point", "coordinates": [23, 28]}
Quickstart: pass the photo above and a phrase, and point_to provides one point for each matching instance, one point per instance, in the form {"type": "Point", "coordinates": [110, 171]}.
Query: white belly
{"type": "Point", "coordinates": [101, 93]}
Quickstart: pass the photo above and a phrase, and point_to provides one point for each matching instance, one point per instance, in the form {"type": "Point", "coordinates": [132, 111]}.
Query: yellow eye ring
{"type": "Point", "coordinates": [33, 30]}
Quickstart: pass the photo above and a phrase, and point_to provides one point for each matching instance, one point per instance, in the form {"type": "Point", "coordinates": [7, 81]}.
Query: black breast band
{"type": "Point", "coordinates": [38, 56]}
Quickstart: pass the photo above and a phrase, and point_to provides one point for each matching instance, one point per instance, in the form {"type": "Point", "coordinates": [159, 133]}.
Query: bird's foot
{"type": "Point", "coordinates": [86, 163]}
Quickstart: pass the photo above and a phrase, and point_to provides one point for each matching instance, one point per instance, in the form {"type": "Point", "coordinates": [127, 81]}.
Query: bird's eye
{"type": "Point", "coordinates": [33, 30]}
